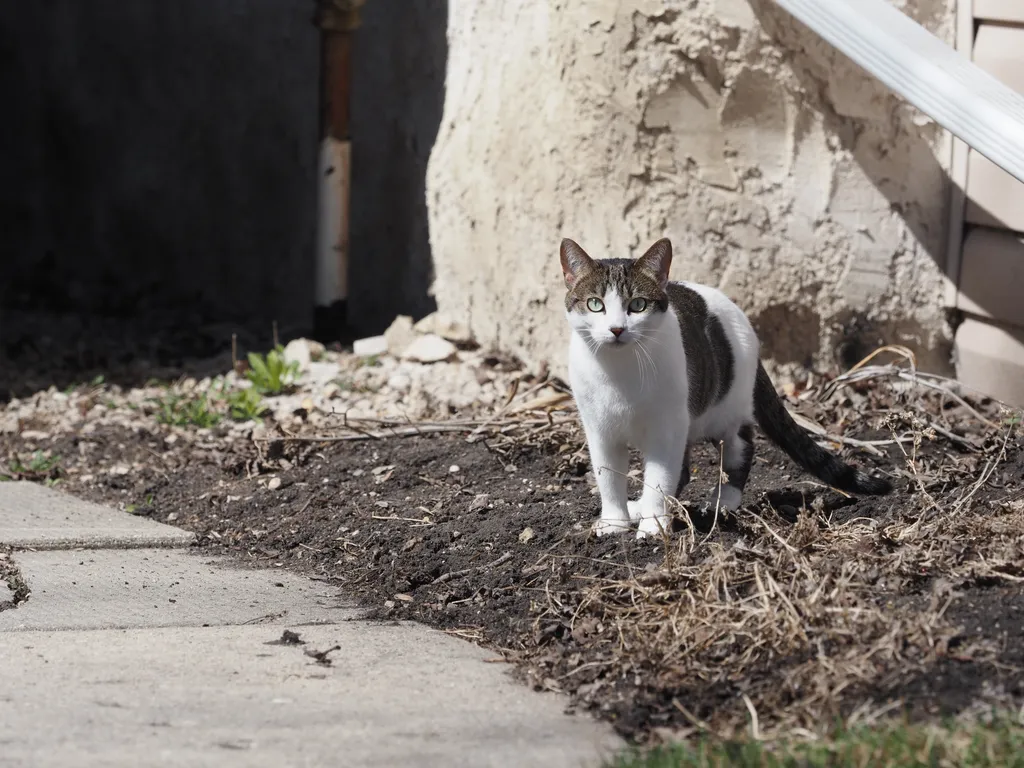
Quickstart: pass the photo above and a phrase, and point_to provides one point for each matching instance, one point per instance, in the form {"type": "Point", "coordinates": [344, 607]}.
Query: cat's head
{"type": "Point", "coordinates": [615, 302]}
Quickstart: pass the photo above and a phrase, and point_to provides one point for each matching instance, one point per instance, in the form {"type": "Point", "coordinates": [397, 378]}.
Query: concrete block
{"type": "Point", "coordinates": [394, 695]}
{"type": "Point", "coordinates": [990, 359]}
{"type": "Point", "coordinates": [99, 589]}
{"type": "Point", "coordinates": [992, 275]}
{"type": "Point", "coordinates": [37, 517]}
{"type": "Point", "coordinates": [999, 50]}
{"type": "Point", "coordinates": [1008, 11]}
{"type": "Point", "coordinates": [996, 199]}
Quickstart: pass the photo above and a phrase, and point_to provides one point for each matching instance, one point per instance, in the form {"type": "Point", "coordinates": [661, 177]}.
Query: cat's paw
{"type": "Point", "coordinates": [634, 510]}
{"type": "Point", "coordinates": [654, 525]}
{"type": "Point", "coordinates": [604, 527]}
{"type": "Point", "coordinates": [728, 499]}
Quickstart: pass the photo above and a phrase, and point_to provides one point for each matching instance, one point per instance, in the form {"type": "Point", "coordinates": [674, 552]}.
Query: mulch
{"type": "Point", "coordinates": [804, 607]}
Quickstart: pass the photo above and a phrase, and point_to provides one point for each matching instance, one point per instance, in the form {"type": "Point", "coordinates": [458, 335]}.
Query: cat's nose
{"type": "Point", "coordinates": [616, 331]}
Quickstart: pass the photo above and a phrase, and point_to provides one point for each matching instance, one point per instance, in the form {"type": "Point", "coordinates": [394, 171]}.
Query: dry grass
{"type": "Point", "coordinates": [783, 627]}
{"type": "Point", "coordinates": [792, 627]}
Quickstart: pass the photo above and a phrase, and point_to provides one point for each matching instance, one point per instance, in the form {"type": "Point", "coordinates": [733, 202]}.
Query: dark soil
{"type": "Point", "coordinates": [491, 541]}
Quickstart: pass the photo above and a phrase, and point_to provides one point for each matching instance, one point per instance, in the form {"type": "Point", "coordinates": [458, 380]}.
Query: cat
{"type": "Point", "coordinates": [659, 366]}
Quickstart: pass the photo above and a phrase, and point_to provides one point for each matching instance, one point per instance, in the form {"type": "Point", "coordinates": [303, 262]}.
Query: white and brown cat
{"type": "Point", "coordinates": [658, 366]}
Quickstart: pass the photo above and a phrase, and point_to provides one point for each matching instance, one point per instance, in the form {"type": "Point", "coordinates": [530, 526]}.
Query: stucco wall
{"type": "Point", "coordinates": [782, 173]}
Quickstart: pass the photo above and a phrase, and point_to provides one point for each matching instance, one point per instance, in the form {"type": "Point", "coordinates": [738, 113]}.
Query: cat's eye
{"type": "Point", "coordinates": [594, 304]}
{"type": "Point", "coordinates": [637, 305]}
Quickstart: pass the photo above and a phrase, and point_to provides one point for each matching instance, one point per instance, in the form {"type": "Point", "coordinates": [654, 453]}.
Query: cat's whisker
{"type": "Point", "coordinates": [696, 354]}
{"type": "Point", "coordinates": [642, 362]}
{"type": "Point", "coordinates": [650, 358]}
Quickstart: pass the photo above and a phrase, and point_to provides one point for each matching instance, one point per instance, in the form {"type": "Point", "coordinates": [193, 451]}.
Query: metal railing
{"type": "Point", "coordinates": [918, 66]}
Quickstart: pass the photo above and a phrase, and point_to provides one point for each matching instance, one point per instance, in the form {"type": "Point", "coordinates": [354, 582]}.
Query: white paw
{"type": "Point", "coordinates": [655, 525]}
{"type": "Point", "coordinates": [634, 510]}
{"type": "Point", "coordinates": [604, 527]}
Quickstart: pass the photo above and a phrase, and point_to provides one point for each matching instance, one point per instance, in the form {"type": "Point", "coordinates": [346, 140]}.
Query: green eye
{"type": "Point", "coordinates": [595, 305]}
{"type": "Point", "coordinates": [638, 305]}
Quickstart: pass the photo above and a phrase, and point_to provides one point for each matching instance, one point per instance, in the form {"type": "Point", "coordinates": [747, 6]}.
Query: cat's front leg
{"type": "Point", "coordinates": [610, 462]}
{"type": "Point", "coordinates": [664, 463]}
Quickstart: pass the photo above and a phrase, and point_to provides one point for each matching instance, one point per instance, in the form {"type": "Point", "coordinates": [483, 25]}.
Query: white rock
{"type": "Point", "coordinates": [370, 346]}
{"type": "Point", "coordinates": [400, 335]}
{"type": "Point", "coordinates": [399, 382]}
{"type": "Point", "coordinates": [444, 327]}
{"type": "Point", "coordinates": [303, 352]}
{"type": "Point", "coordinates": [321, 374]}
{"type": "Point", "coordinates": [429, 349]}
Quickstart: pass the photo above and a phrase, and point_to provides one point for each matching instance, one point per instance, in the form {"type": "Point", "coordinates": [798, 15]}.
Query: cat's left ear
{"type": "Point", "coordinates": [575, 261]}
{"type": "Point", "coordinates": [657, 261]}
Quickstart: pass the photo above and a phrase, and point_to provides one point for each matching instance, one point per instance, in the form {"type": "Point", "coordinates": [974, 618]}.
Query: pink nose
{"type": "Point", "coordinates": [617, 331]}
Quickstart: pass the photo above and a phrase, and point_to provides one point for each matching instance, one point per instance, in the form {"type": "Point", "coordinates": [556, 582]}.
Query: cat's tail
{"type": "Point", "coordinates": [782, 430]}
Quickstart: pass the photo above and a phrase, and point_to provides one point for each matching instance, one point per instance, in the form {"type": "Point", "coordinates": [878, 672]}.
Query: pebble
{"type": "Point", "coordinates": [429, 349]}
{"type": "Point", "coordinates": [372, 346]}
{"type": "Point", "coordinates": [445, 328]}
{"type": "Point", "coordinates": [338, 383]}
{"type": "Point", "coordinates": [400, 335]}
{"type": "Point", "coordinates": [303, 352]}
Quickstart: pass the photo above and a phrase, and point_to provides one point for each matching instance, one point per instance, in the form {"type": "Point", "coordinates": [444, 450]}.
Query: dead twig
{"type": "Point", "coordinates": [466, 571]}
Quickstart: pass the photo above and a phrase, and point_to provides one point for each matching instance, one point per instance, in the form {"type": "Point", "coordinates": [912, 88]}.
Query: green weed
{"type": "Point", "coordinates": [181, 410]}
{"type": "Point", "coordinates": [246, 404]}
{"type": "Point", "coordinates": [41, 466]}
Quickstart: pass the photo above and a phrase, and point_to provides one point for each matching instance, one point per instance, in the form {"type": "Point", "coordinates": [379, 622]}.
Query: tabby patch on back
{"type": "Point", "coordinates": [658, 366]}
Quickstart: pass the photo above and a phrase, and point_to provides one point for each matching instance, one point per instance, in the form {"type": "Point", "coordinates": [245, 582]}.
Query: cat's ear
{"type": "Point", "coordinates": [575, 261]}
{"type": "Point", "coordinates": [657, 261]}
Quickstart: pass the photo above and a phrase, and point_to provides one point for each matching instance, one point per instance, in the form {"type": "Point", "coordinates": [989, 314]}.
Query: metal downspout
{"type": "Point", "coordinates": [336, 20]}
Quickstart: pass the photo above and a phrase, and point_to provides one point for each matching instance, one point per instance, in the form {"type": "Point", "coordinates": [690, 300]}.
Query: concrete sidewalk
{"type": "Point", "coordinates": [134, 650]}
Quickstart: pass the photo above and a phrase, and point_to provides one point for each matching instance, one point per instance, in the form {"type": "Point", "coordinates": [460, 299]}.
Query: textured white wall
{"type": "Point", "coordinates": [783, 174]}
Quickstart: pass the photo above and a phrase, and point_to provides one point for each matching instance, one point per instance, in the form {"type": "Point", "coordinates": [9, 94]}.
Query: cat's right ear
{"type": "Point", "coordinates": [575, 261]}
{"type": "Point", "coordinates": [657, 261]}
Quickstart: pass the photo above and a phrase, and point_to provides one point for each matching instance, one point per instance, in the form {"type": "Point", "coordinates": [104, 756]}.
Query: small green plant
{"type": "Point", "coordinates": [180, 410]}
{"type": "Point", "coordinates": [246, 404]}
{"type": "Point", "coordinates": [999, 743]}
{"type": "Point", "coordinates": [271, 374]}
{"type": "Point", "coordinates": [41, 467]}
{"type": "Point", "coordinates": [96, 383]}
{"type": "Point", "coordinates": [131, 509]}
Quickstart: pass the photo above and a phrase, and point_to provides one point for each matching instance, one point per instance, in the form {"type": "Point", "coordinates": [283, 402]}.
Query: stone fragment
{"type": "Point", "coordinates": [400, 335]}
{"type": "Point", "coordinates": [370, 346]}
{"type": "Point", "coordinates": [446, 328]}
{"type": "Point", "coordinates": [429, 349]}
{"type": "Point", "coordinates": [303, 352]}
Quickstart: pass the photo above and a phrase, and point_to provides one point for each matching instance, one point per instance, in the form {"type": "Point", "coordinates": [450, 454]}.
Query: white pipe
{"type": "Point", "coordinates": [967, 101]}
{"type": "Point", "coordinates": [332, 236]}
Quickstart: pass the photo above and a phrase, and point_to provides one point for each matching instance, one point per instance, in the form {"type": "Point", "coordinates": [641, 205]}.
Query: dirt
{"type": "Point", "coordinates": [13, 589]}
{"type": "Point", "coordinates": [806, 606]}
